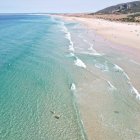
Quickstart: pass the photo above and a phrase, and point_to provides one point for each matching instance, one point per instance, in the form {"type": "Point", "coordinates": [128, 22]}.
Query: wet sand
{"type": "Point", "coordinates": [109, 112]}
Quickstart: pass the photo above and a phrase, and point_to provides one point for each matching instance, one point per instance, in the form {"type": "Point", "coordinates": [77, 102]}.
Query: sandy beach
{"type": "Point", "coordinates": [119, 41]}
{"type": "Point", "coordinates": [127, 34]}
{"type": "Point", "coordinates": [122, 37]}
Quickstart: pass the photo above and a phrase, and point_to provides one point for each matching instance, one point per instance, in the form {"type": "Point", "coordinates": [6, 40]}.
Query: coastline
{"type": "Point", "coordinates": [121, 37]}
{"type": "Point", "coordinates": [118, 38]}
{"type": "Point", "coordinates": [122, 33]}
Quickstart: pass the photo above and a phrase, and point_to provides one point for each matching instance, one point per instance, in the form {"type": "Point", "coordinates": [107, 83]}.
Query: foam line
{"type": "Point", "coordinates": [135, 62]}
{"type": "Point", "coordinates": [68, 36]}
{"type": "Point", "coordinates": [73, 87]}
{"type": "Point", "coordinates": [119, 69]}
{"type": "Point", "coordinates": [71, 55]}
{"type": "Point", "coordinates": [102, 67]}
{"type": "Point", "coordinates": [111, 86]}
{"type": "Point", "coordinates": [134, 90]}
{"type": "Point", "coordinates": [93, 51]}
{"type": "Point", "coordinates": [78, 62]}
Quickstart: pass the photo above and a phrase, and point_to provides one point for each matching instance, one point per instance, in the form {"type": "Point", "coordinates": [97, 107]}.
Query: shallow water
{"type": "Point", "coordinates": [36, 100]}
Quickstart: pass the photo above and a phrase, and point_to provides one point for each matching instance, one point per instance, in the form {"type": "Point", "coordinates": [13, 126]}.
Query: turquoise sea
{"type": "Point", "coordinates": [59, 80]}
{"type": "Point", "coordinates": [37, 99]}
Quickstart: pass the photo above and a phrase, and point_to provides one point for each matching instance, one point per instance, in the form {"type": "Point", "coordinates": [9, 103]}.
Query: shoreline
{"type": "Point", "coordinates": [116, 35]}
{"type": "Point", "coordinates": [91, 111]}
{"type": "Point", "coordinates": [110, 30]}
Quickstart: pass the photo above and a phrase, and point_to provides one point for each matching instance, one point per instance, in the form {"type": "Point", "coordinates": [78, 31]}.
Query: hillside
{"type": "Point", "coordinates": [124, 8]}
{"type": "Point", "coordinates": [127, 12]}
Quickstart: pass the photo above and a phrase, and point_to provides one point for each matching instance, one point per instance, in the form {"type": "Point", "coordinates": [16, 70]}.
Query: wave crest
{"type": "Point", "coordinates": [80, 63]}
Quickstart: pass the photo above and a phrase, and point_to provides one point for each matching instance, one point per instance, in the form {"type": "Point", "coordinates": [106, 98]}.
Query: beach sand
{"type": "Point", "coordinates": [113, 113]}
{"type": "Point", "coordinates": [122, 37]}
{"type": "Point", "coordinates": [123, 33]}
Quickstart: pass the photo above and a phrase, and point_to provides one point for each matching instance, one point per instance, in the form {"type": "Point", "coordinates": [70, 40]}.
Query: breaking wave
{"type": "Point", "coordinates": [78, 62]}
{"type": "Point", "coordinates": [119, 69]}
{"type": "Point", "coordinates": [102, 67]}
{"type": "Point", "coordinates": [68, 36]}
{"type": "Point", "coordinates": [92, 51]}
{"type": "Point", "coordinates": [133, 89]}
{"type": "Point", "coordinates": [111, 87]}
{"type": "Point", "coordinates": [73, 87]}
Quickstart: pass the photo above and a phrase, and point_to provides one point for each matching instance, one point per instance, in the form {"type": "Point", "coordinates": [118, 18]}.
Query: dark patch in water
{"type": "Point", "coordinates": [117, 112]}
{"type": "Point", "coordinates": [56, 117]}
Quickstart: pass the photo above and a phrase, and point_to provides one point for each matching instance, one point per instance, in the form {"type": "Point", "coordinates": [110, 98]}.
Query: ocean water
{"type": "Point", "coordinates": [60, 81]}
{"type": "Point", "coordinates": [37, 88]}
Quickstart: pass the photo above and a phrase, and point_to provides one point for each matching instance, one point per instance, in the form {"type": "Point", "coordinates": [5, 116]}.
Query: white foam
{"type": "Point", "coordinates": [64, 29]}
{"type": "Point", "coordinates": [73, 87]}
{"type": "Point", "coordinates": [85, 40]}
{"type": "Point", "coordinates": [90, 49]}
{"type": "Point", "coordinates": [102, 67]}
{"type": "Point", "coordinates": [135, 62]}
{"type": "Point", "coordinates": [71, 48]}
{"type": "Point", "coordinates": [68, 36]}
{"type": "Point", "coordinates": [71, 55]}
{"type": "Point", "coordinates": [93, 51]}
{"type": "Point", "coordinates": [39, 15]}
{"type": "Point", "coordinates": [111, 86]}
{"type": "Point", "coordinates": [126, 75]}
{"type": "Point", "coordinates": [78, 62]}
{"type": "Point", "coordinates": [134, 90]}
{"type": "Point", "coordinates": [119, 69]}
